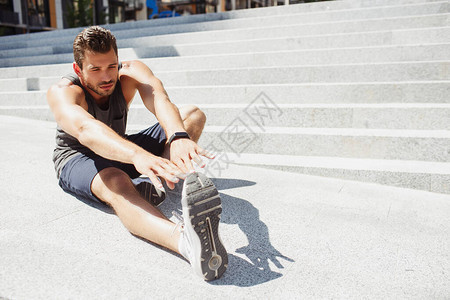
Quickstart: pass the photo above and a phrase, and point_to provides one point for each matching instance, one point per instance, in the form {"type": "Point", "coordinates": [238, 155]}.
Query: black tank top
{"type": "Point", "coordinates": [115, 117]}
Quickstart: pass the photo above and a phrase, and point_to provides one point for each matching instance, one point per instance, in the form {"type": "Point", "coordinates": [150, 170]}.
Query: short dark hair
{"type": "Point", "coordinates": [94, 39]}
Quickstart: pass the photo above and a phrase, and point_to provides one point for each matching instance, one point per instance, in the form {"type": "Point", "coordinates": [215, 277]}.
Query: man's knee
{"type": "Point", "coordinates": [194, 114]}
{"type": "Point", "coordinates": [110, 181]}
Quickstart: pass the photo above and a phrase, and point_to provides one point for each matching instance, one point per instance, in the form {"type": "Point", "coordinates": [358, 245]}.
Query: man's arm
{"type": "Point", "coordinates": [69, 107]}
{"type": "Point", "coordinates": [156, 99]}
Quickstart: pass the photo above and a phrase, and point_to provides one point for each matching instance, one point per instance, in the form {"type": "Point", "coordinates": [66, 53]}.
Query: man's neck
{"type": "Point", "coordinates": [101, 101]}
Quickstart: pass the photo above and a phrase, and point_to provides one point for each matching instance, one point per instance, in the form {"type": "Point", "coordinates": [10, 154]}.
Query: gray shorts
{"type": "Point", "coordinates": [78, 173]}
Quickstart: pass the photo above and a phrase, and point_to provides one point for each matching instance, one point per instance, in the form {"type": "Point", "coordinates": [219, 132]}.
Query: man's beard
{"type": "Point", "coordinates": [99, 91]}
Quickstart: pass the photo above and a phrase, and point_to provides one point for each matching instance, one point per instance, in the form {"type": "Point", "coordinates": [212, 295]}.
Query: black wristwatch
{"type": "Point", "coordinates": [178, 135]}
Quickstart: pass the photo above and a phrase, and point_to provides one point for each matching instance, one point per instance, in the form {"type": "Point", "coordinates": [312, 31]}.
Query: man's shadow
{"type": "Point", "coordinates": [254, 269]}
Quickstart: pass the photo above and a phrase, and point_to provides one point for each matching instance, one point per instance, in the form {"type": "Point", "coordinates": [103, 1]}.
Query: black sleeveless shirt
{"type": "Point", "coordinates": [115, 117]}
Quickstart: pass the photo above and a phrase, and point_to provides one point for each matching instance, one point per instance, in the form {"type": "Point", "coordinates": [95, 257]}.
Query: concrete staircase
{"type": "Point", "coordinates": [354, 89]}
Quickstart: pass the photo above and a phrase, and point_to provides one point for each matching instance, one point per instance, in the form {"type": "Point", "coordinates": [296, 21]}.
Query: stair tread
{"type": "Point", "coordinates": [407, 133]}
{"type": "Point", "coordinates": [386, 165]}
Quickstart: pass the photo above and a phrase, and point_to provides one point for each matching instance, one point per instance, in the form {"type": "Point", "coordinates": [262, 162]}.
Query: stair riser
{"type": "Point", "coordinates": [301, 94]}
{"type": "Point", "coordinates": [316, 93]}
{"type": "Point", "coordinates": [43, 114]}
{"type": "Point", "coordinates": [306, 57]}
{"type": "Point", "coordinates": [436, 183]}
{"type": "Point", "coordinates": [373, 118]}
{"type": "Point", "coordinates": [364, 73]}
{"type": "Point", "coordinates": [370, 118]}
{"type": "Point", "coordinates": [375, 147]}
{"type": "Point", "coordinates": [368, 39]}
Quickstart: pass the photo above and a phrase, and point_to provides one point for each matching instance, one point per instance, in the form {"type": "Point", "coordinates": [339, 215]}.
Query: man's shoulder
{"type": "Point", "coordinates": [65, 84]}
{"type": "Point", "coordinates": [133, 68]}
{"type": "Point", "coordinates": [131, 64]}
{"type": "Point", "coordinates": [68, 89]}
{"type": "Point", "coordinates": [135, 73]}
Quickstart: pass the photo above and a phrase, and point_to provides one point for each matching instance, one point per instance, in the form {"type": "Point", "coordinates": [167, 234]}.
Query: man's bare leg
{"type": "Point", "coordinates": [114, 187]}
{"type": "Point", "coordinates": [194, 121]}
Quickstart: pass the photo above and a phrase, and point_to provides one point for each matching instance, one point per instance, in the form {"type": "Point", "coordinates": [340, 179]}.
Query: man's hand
{"type": "Point", "coordinates": [182, 151]}
{"type": "Point", "coordinates": [153, 166]}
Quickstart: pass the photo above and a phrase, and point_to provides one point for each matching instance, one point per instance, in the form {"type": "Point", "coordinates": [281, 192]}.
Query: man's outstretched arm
{"type": "Point", "coordinates": [70, 110]}
{"type": "Point", "coordinates": [156, 99]}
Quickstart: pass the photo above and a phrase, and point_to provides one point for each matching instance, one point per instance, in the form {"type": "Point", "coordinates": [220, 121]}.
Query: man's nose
{"type": "Point", "coordinates": [106, 76]}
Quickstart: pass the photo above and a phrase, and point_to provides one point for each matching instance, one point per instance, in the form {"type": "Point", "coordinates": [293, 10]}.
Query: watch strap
{"type": "Point", "coordinates": [178, 135]}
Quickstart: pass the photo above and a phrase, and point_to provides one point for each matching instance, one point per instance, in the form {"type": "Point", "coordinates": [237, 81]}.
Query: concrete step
{"type": "Point", "coordinates": [185, 34]}
{"type": "Point", "coordinates": [239, 137]}
{"type": "Point", "coordinates": [263, 26]}
{"type": "Point", "coordinates": [428, 176]}
{"type": "Point", "coordinates": [312, 93]}
{"type": "Point", "coordinates": [419, 52]}
{"type": "Point", "coordinates": [376, 72]}
{"type": "Point", "coordinates": [354, 92]}
{"type": "Point", "coordinates": [251, 44]}
{"type": "Point", "coordinates": [418, 116]}
{"type": "Point", "coordinates": [369, 116]}
{"type": "Point", "coordinates": [317, 12]}
{"type": "Point", "coordinates": [36, 112]}
{"type": "Point", "coordinates": [360, 39]}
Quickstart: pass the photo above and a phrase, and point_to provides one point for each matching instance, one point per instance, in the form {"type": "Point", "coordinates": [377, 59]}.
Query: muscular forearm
{"type": "Point", "coordinates": [168, 115]}
{"type": "Point", "coordinates": [154, 96]}
{"type": "Point", "coordinates": [106, 142]}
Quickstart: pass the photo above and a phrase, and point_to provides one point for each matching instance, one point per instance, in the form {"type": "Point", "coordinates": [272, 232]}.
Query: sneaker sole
{"type": "Point", "coordinates": [201, 202]}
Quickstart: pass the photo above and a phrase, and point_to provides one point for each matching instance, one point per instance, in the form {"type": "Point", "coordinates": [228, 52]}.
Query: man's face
{"type": "Point", "coordinates": [100, 73]}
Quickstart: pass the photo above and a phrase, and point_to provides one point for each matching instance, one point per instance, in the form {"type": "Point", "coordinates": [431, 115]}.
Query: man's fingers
{"type": "Point", "coordinates": [181, 166]}
{"type": "Point", "coordinates": [206, 154]}
{"type": "Point", "coordinates": [170, 184]}
{"type": "Point", "coordinates": [174, 169]}
{"type": "Point", "coordinates": [167, 170]}
{"type": "Point", "coordinates": [168, 176]}
{"type": "Point", "coordinates": [184, 163]}
{"type": "Point", "coordinates": [155, 180]}
{"type": "Point", "coordinates": [198, 161]}
{"type": "Point", "coordinates": [189, 164]}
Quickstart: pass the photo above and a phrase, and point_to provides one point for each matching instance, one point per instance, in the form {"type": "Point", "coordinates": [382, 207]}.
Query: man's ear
{"type": "Point", "coordinates": [76, 69]}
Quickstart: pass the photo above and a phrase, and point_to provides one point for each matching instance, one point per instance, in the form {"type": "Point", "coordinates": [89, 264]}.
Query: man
{"type": "Point", "coordinates": [96, 161]}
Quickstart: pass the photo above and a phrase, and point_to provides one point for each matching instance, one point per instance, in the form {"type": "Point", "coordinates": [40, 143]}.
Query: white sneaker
{"type": "Point", "coordinates": [199, 241]}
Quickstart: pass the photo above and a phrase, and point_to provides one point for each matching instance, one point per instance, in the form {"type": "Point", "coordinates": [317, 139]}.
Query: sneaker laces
{"type": "Point", "coordinates": [184, 247]}
{"type": "Point", "coordinates": [179, 223]}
